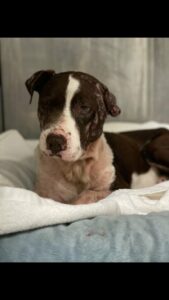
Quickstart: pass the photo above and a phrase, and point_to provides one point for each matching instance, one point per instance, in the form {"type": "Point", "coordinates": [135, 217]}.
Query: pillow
{"type": "Point", "coordinates": [17, 161]}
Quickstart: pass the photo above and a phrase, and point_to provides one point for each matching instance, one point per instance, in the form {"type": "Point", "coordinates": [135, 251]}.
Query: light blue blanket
{"type": "Point", "coordinates": [134, 238]}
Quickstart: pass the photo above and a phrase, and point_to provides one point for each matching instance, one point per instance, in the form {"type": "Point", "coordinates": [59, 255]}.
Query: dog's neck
{"type": "Point", "coordinates": [95, 149]}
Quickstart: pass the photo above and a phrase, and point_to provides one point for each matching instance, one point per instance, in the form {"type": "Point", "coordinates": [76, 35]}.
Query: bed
{"type": "Point", "coordinates": [139, 234]}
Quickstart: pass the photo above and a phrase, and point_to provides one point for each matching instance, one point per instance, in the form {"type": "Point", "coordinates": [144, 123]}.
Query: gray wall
{"type": "Point", "coordinates": [136, 70]}
{"type": "Point", "coordinates": [161, 79]}
{"type": "Point", "coordinates": [1, 116]}
{"type": "Point", "coordinates": [0, 111]}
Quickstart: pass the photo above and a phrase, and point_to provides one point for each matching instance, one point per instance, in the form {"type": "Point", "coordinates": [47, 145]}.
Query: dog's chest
{"type": "Point", "coordinates": [90, 174]}
{"type": "Point", "coordinates": [63, 181]}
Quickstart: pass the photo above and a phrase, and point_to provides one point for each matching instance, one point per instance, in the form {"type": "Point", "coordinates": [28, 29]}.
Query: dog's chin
{"type": "Point", "coordinates": [64, 155]}
{"type": "Point", "coordinates": [70, 157]}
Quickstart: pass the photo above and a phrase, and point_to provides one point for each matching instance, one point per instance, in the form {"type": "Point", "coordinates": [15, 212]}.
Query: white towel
{"type": "Point", "coordinates": [22, 209]}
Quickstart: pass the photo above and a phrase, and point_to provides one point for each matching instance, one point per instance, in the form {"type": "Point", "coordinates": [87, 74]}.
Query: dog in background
{"type": "Point", "coordinates": [77, 162]}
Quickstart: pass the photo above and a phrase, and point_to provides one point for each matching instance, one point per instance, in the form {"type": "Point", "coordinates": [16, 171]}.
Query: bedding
{"type": "Point", "coordinates": [127, 237]}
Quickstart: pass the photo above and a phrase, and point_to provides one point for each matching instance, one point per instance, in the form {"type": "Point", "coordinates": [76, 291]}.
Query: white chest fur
{"type": "Point", "coordinates": [63, 181]}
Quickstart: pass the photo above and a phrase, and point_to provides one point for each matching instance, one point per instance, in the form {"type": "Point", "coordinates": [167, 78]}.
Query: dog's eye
{"type": "Point", "coordinates": [85, 108]}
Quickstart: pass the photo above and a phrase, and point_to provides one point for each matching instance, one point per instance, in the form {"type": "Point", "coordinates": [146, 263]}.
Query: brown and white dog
{"type": "Point", "coordinates": [78, 163]}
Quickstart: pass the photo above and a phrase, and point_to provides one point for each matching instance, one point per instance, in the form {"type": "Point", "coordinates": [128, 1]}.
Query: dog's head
{"type": "Point", "coordinates": [72, 109]}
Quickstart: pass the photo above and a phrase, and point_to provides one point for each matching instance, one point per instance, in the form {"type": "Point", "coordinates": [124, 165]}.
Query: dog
{"type": "Point", "coordinates": [78, 163]}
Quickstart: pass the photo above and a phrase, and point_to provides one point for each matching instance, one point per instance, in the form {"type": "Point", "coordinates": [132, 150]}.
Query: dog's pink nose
{"type": "Point", "coordinates": [56, 143]}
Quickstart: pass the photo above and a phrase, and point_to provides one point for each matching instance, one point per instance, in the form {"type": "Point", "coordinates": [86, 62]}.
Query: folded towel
{"type": "Point", "coordinates": [21, 209]}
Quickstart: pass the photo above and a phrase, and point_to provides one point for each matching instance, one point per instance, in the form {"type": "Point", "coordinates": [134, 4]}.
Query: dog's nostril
{"type": "Point", "coordinates": [56, 143]}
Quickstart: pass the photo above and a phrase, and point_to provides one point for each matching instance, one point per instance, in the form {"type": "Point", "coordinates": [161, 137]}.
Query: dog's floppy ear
{"type": "Point", "coordinates": [37, 81]}
{"type": "Point", "coordinates": [109, 101]}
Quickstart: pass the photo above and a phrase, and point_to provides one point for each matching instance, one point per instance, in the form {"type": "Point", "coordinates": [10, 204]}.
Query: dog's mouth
{"type": "Point", "coordinates": [56, 154]}
{"type": "Point", "coordinates": [48, 153]}
{"type": "Point", "coordinates": [63, 155]}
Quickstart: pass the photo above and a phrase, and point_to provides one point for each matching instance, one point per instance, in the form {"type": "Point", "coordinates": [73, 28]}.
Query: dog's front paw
{"type": "Point", "coordinates": [87, 197]}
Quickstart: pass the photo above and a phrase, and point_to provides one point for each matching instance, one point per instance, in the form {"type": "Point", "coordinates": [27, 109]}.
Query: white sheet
{"type": "Point", "coordinates": [22, 209]}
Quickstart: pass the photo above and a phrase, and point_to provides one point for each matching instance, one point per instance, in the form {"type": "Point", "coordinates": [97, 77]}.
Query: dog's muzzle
{"type": "Point", "coordinates": [56, 143]}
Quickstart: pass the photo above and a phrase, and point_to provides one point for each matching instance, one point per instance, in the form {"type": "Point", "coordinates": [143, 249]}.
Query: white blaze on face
{"type": "Point", "coordinates": [69, 125]}
{"type": "Point", "coordinates": [66, 126]}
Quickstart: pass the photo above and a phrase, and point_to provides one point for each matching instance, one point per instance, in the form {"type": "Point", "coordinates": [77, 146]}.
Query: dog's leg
{"type": "Point", "coordinates": [89, 196]}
